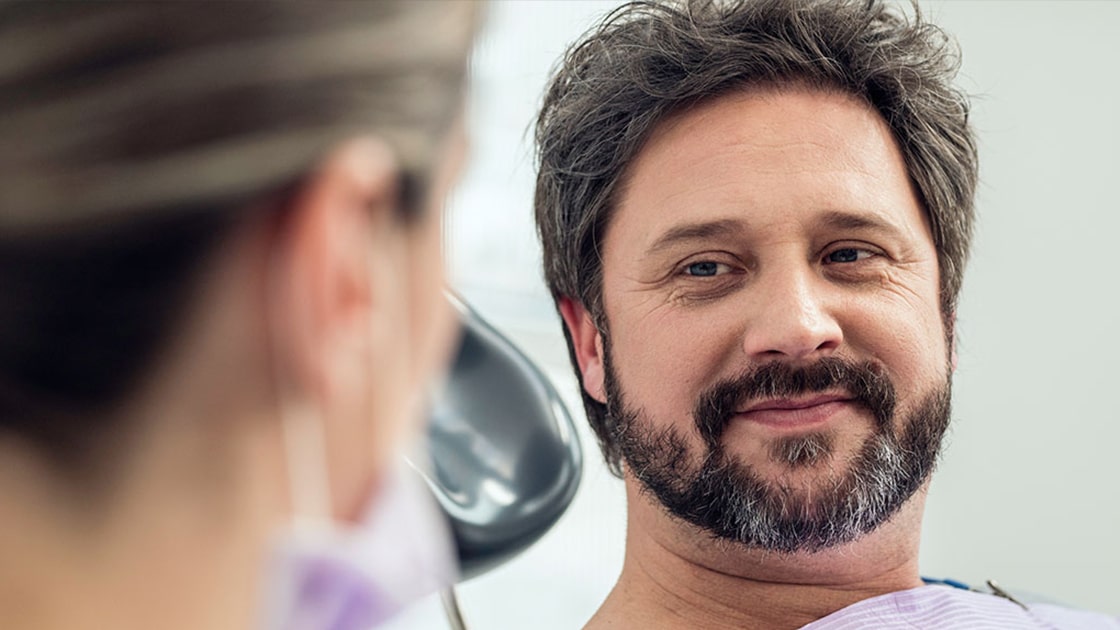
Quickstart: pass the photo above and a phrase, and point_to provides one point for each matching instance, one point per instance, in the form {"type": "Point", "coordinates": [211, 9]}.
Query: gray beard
{"type": "Point", "coordinates": [726, 498]}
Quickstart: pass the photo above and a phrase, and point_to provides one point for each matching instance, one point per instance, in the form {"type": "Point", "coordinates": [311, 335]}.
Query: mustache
{"type": "Point", "coordinates": [866, 382]}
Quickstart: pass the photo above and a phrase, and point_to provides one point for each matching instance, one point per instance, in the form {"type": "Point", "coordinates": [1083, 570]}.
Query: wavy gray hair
{"type": "Point", "coordinates": [647, 60]}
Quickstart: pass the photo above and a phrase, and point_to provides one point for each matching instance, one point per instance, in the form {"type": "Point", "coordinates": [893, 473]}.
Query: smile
{"type": "Point", "coordinates": [795, 413]}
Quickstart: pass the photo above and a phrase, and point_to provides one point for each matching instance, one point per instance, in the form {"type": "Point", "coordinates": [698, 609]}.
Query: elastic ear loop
{"type": "Point", "coordinates": [409, 199]}
{"type": "Point", "coordinates": [301, 424]}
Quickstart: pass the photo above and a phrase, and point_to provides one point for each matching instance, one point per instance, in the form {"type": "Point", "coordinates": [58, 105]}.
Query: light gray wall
{"type": "Point", "coordinates": [1027, 491]}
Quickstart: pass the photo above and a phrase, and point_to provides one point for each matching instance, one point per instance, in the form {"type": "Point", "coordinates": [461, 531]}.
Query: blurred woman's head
{"type": "Point", "coordinates": [213, 218]}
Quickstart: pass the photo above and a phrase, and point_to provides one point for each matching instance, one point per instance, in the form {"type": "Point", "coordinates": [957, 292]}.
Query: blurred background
{"type": "Point", "coordinates": [1027, 490]}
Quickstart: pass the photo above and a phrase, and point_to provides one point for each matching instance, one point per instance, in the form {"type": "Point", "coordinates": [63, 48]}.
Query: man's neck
{"type": "Point", "coordinates": [675, 576]}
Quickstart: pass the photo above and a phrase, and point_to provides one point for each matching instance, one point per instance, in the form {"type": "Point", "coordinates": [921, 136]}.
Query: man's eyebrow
{"type": "Point", "coordinates": [840, 220]}
{"type": "Point", "coordinates": [833, 219]}
{"type": "Point", "coordinates": [693, 232]}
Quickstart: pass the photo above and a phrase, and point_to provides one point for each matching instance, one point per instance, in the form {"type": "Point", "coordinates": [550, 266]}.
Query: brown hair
{"type": "Point", "coordinates": [648, 60]}
{"type": "Point", "coordinates": [135, 135]}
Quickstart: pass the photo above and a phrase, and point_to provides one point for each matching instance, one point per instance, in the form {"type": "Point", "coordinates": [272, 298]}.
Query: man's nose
{"type": "Point", "coordinates": [791, 318]}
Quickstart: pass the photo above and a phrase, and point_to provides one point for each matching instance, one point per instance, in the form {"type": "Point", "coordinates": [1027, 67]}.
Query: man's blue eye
{"type": "Point", "coordinates": [703, 269]}
{"type": "Point", "coordinates": [846, 255]}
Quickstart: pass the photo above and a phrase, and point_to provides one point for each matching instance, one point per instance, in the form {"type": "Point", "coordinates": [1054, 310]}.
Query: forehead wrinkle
{"type": "Point", "coordinates": [729, 175]}
{"type": "Point", "coordinates": [770, 146]}
{"type": "Point", "coordinates": [739, 165]}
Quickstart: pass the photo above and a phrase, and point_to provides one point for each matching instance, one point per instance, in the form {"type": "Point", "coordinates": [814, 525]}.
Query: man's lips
{"type": "Point", "coordinates": [795, 412]}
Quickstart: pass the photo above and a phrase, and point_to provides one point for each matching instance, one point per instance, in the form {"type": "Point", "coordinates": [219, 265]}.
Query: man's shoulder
{"type": "Point", "coordinates": [935, 607]}
{"type": "Point", "coordinates": [1062, 617]}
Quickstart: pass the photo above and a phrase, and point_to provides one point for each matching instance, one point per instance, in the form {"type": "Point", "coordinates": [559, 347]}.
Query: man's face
{"type": "Point", "coordinates": [776, 358]}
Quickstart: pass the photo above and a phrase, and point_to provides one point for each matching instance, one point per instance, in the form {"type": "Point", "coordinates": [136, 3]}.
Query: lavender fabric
{"type": "Point", "coordinates": [937, 607]}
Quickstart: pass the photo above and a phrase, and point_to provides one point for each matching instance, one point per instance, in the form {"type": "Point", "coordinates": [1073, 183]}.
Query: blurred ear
{"type": "Point", "coordinates": [326, 293]}
{"type": "Point", "coordinates": [588, 345]}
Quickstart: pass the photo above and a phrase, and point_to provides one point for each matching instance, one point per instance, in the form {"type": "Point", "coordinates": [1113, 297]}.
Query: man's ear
{"type": "Point", "coordinates": [953, 342]}
{"type": "Point", "coordinates": [588, 344]}
{"type": "Point", "coordinates": [325, 284]}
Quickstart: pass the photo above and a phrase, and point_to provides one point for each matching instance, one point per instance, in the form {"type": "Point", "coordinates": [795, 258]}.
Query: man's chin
{"type": "Point", "coordinates": [810, 450]}
{"type": "Point", "coordinates": [810, 495]}
{"type": "Point", "coordinates": [804, 462]}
